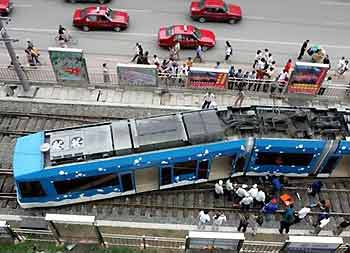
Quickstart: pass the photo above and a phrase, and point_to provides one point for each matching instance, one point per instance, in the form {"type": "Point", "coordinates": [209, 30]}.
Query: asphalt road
{"type": "Point", "coordinates": [278, 25]}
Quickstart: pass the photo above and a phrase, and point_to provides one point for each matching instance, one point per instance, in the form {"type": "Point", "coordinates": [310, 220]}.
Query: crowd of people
{"type": "Point", "coordinates": [255, 206]}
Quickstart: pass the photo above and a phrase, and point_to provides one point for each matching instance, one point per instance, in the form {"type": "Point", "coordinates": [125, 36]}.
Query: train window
{"type": "Point", "coordinates": [184, 168]}
{"type": "Point", "coordinates": [267, 158]}
{"type": "Point", "coordinates": [330, 165]}
{"type": "Point", "coordinates": [127, 182]}
{"type": "Point", "coordinates": [86, 183]}
{"type": "Point", "coordinates": [31, 189]}
{"type": "Point", "coordinates": [203, 169]}
{"type": "Point", "coordinates": [166, 175]}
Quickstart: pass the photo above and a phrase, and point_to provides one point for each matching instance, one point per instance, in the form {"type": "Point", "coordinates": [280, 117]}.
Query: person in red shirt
{"type": "Point", "coordinates": [288, 66]}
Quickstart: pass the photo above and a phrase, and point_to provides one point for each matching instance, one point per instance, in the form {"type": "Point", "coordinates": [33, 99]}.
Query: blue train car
{"type": "Point", "coordinates": [99, 161]}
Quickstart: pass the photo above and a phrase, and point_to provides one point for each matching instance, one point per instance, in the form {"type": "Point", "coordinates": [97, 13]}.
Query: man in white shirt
{"type": "Point", "coordinates": [204, 218]}
{"type": "Point", "coordinates": [246, 202]}
{"type": "Point", "coordinates": [218, 219]}
{"type": "Point", "coordinates": [302, 214]}
{"type": "Point", "coordinates": [260, 199]}
{"type": "Point", "coordinates": [229, 189]}
{"type": "Point", "coordinates": [219, 190]}
{"type": "Point", "coordinates": [208, 98]}
{"type": "Point", "coordinates": [253, 191]}
{"type": "Point", "coordinates": [242, 192]}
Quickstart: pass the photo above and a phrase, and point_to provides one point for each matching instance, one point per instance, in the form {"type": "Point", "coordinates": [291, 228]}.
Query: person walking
{"type": "Point", "coordinates": [156, 61]}
{"type": "Point", "coordinates": [105, 70]}
{"type": "Point", "coordinates": [218, 220]}
{"type": "Point", "coordinates": [189, 63]}
{"type": "Point", "coordinates": [240, 94]}
{"type": "Point", "coordinates": [270, 209]}
{"type": "Point", "coordinates": [177, 49]}
{"type": "Point", "coordinates": [341, 226]}
{"type": "Point", "coordinates": [228, 51]}
{"type": "Point", "coordinates": [208, 98]}
{"type": "Point", "coordinates": [313, 190]}
{"type": "Point", "coordinates": [253, 223]}
{"type": "Point", "coordinates": [29, 58]}
{"type": "Point", "coordinates": [243, 222]}
{"type": "Point", "coordinates": [229, 189]}
{"type": "Point", "coordinates": [288, 66]}
{"type": "Point", "coordinates": [30, 45]}
{"type": "Point", "coordinates": [219, 190]}
{"type": "Point", "coordinates": [276, 186]}
{"type": "Point", "coordinates": [137, 52]}
{"type": "Point", "coordinates": [217, 66]}
{"type": "Point", "coordinates": [326, 84]}
{"type": "Point", "coordinates": [287, 219]}
{"type": "Point", "coordinates": [327, 61]}
{"type": "Point", "coordinates": [204, 219]}
{"type": "Point", "coordinates": [199, 54]}
{"type": "Point", "coordinates": [322, 221]}
{"type": "Point", "coordinates": [35, 53]}
{"type": "Point", "coordinates": [303, 49]}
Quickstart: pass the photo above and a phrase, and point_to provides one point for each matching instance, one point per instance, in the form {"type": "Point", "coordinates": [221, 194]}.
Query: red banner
{"type": "Point", "coordinates": [207, 78]}
{"type": "Point", "coordinates": [307, 78]}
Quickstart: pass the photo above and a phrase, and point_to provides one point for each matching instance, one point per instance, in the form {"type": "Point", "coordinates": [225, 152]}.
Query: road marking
{"type": "Point", "coordinates": [22, 5]}
{"type": "Point", "coordinates": [272, 42]}
{"type": "Point", "coordinates": [334, 3]}
{"type": "Point", "coordinates": [136, 10]}
{"type": "Point", "coordinates": [15, 29]}
{"type": "Point", "coordinates": [150, 35]}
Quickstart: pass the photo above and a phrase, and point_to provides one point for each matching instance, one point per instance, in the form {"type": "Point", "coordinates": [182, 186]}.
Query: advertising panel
{"type": "Point", "coordinates": [137, 75]}
{"type": "Point", "coordinates": [68, 64]}
{"type": "Point", "coordinates": [207, 78]}
{"type": "Point", "coordinates": [307, 78]}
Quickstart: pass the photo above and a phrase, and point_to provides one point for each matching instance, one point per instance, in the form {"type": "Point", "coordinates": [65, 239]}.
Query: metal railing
{"type": "Point", "coordinates": [166, 80]}
{"type": "Point", "coordinates": [96, 231]}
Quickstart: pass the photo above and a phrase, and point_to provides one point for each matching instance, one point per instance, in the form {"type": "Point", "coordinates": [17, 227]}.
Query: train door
{"type": "Point", "coordinates": [166, 175]}
{"type": "Point", "coordinates": [147, 179]}
{"type": "Point", "coordinates": [238, 166]}
{"type": "Point", "coordinates": [221, 167]}
{"type": "Point", "coordinates": [203, 169]}
{"type": "Point", "coordinates": [127, 183]}
{"type": "Point", "coordinates": [331, 164]}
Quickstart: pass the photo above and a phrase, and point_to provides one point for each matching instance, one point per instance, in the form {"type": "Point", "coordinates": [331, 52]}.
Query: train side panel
{"type": "Point", "coordinates": [285, 156]}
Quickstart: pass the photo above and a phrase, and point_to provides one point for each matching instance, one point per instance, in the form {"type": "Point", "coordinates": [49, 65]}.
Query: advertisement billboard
{"type": "Point", "coordinates": [207, 78]}
{"type": "Point", "coordinates": [137, 75]}
{"type": "Point", "coordinates": [68, 64]}
{"type": "Point", "coordinates": [307, 78]}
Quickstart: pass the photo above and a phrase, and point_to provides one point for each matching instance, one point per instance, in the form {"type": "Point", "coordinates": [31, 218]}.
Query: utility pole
{"type": "Point", "coordinates": [27, 91]}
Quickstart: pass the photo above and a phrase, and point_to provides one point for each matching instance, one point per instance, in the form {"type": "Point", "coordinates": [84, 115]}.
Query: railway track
{"type": "Point", "coordinates": [178, 205]}
{"type": "Point", "coordinates": [15, 124]}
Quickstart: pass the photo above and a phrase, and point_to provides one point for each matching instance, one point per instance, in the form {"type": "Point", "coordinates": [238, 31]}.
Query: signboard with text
{"type": "Point", "coordinates": [137, 75]}
{"type": "Point", "coordinates": [307, 78]}
{"type": "Point", "coordinates": [207, 78]}
{"type": "Point", "coordinates": [68, 64]}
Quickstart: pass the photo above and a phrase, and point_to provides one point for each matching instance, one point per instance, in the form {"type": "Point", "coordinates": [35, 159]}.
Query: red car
{"type": "Point", "coordinates": [100, 17]}
{"type": "Point", "coordinates": [189, 36]}
{"type": "Point", "coordinates": [215, 10]}
{"type": "Point", "coordinates": [5, 7]}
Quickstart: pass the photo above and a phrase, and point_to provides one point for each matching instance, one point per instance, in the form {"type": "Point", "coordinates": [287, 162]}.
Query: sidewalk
{"type": "Point", "coordinates": [94, 63]}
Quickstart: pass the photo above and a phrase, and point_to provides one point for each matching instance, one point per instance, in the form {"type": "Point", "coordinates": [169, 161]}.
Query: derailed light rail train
{"type": "Point", "coordinates": [106, 160]}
